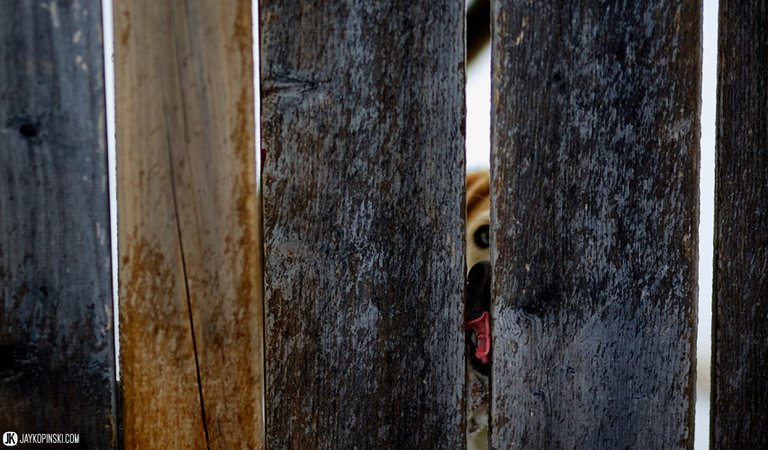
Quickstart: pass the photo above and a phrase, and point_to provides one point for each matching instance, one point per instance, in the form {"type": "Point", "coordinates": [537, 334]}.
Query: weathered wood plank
{"type": "Point", "coordinates": [57, 368]}
{"type": "Point", "coordinates": [740, 358]}
{"type": "Point", "coordinates": [362, 116]}
{"type": "Point", "coordinates": [595, 210]}
{"type": "Point", "coordinates": [190, 262]}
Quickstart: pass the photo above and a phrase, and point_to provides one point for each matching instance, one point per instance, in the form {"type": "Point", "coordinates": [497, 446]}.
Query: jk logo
{"type": "Point", "coordinates": [10, 439]}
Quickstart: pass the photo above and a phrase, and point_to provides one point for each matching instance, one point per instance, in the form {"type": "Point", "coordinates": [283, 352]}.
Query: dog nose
{"type": "Point", "coordinates": [478, 315]}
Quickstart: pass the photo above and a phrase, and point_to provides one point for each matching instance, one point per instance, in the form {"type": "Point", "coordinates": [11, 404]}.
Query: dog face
{"type": "Point", "coordinates": [477, 307]}
{"type": "Point", "coordinates": [478, 295]}
{"type": "Point", "coordinates": [478, 217]}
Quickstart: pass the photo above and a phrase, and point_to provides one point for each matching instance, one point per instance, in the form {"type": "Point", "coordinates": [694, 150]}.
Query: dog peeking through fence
{"type": "Point", "coordinates": [477, 307]}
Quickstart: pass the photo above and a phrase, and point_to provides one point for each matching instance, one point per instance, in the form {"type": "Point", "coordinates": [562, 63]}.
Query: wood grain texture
{"type": "Point", "coordinates": [739, 394]}
{"type": "Point", "coordinates": [57, 367]}
{"type": "Point", "coordinates": [595, 164]}
{"type": "Point", "coordinates": [190, 261]}
{"type": "Point", "coordinates": [362, 131]}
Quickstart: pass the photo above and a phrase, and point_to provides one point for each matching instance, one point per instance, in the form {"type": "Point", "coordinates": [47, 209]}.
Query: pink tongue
{"type": "Point", "coordinates": [482, 328]}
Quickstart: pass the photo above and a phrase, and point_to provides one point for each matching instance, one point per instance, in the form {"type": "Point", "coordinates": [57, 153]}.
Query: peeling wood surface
{"type": "Point", "coordinates": [595, 171]}
{"type": "Point", "coordinates": [739, 394]}
{"type": "Point", "coordinates": [190, 262]}
{"type": "Point", "coordinates": [57, 368]}
{"type": "Point", "coordinates": [363, 183]}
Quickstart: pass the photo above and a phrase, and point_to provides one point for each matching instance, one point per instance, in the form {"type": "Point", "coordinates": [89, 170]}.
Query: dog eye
{"type": "Point", "coordinates": [482, 237]}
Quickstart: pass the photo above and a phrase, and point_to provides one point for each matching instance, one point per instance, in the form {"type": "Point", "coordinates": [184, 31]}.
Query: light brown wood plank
{"type": "Point", "coordinates": [190, 261]}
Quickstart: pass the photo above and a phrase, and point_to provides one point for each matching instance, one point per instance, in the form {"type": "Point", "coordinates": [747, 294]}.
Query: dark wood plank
{"type": "Point", "coordinates": [57, 368]}
{"type": "Point", "coordinates": [362, 116]}
{"type": "Point", "coordinates": [740, 355]}
{"type": "Point", "coordinates": [190, 253]}
{"type": "Point", "coordinates": [595, 209]}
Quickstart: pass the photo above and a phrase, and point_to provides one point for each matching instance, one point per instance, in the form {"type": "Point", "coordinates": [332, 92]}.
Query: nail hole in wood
{"type": "Point", "coordinates": [28, 130]}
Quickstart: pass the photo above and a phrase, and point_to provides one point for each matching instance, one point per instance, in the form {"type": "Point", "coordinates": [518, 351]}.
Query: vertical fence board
{"type": "Point", "coordinates": [362, 116]}
{"type": "Point", "coordinates": [595, 206]}
{"type": "Point", "coordinates": [739, 394]}
{"type": "Point", "coordinates": [190, 262]}
{"type": "Point", "coordinates": [57, 368]}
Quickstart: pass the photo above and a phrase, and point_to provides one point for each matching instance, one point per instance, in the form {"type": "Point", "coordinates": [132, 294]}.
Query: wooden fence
{"type": "Point", "coordinates": [325, 308]}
